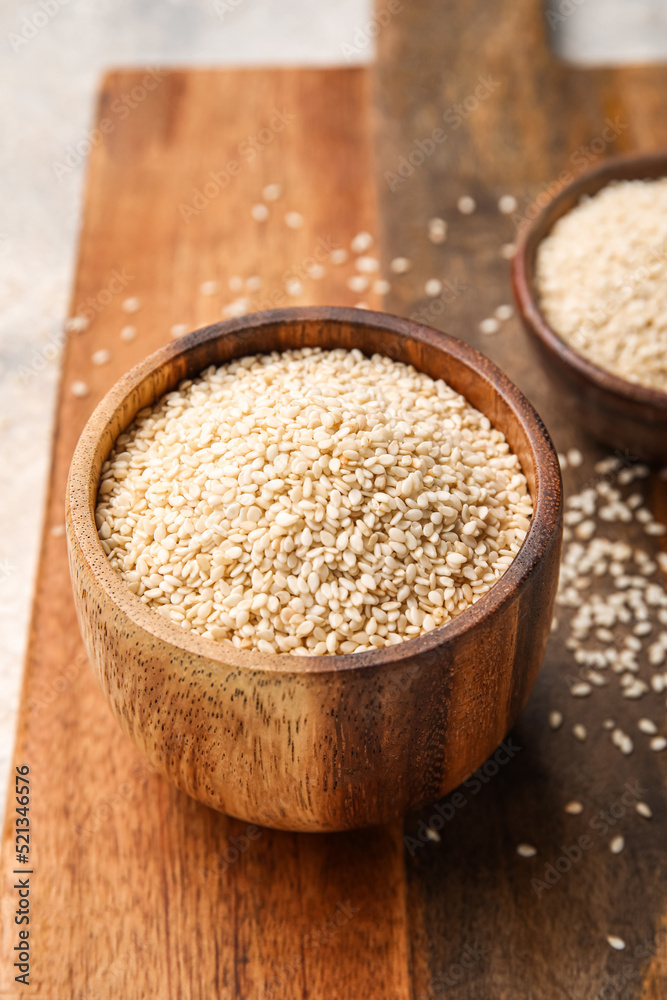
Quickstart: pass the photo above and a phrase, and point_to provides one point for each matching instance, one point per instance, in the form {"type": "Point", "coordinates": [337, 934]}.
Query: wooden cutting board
{"type": "Point", "coordinates": [138, 891]}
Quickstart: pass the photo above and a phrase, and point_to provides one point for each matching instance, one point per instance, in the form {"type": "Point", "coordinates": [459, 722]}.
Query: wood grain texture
{"type": "Point", "coordinates": [332, 742]}
{"type": "Point", "coordinates": [138, 890]}
{"type": "Point", "coordinates": [479, 930]}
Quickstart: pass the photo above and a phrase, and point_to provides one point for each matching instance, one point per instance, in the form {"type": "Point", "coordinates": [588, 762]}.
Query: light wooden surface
{"type": "Point", "coordinates": [130, 894]}
{"type": "Point", "coordinates": [471, 890]}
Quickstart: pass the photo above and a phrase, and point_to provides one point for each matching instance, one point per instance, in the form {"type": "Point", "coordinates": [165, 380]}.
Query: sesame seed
{"type": "Point", "coordinates": [647, 726]}
{"type": "Point", "coordinates": [658, 743]}
{"type": "Point", "coordinates": [253, 283]}
{"type": "Point", "coordinates": [209, 287]}
{"type": "Point", "coordinates": [555, 719]}
{"type": "Point", "coordinates": [361, 242]}
{"type": "Point", "coordinates": [381, 286]}
{"type": "Point", "coordinates": [526, 850]}
{"type": "Point", "coordinates": [616, 844]}
{"type": "Point", "coordinates": [644, 810]}
{"type": "Point", "coordinates": [503, 313]}
{"type": "Point", "coordinates": [58, 530]}
{"type": "Point", "coordinates": [271, 192]}
{"type": "Point", "coordinates": [128, 333]}
{"type": "Point", "coordinates": [77, 324]}
{"type": "Point", "coordinates": [507, 251]}
{"type": "Point", "coordinates": [260, 213]}
{"type": "Point", "coordinates": [101, 357]}
{"type": "Point", "coordinates": [433, 287]}
{"type": "Point", "coordinates": [574, 808]}
{"type": "Point", "coordinates": [338, 256]}
{"type": "Point", "coordinates": [400, 265]}
{"type": "Point", "coordinates": [294, 220]}
{"type": "Point", "coordinates": [581, 690]}
{"type": "Point", "coordinates": [79, 389]}
{"type": "Point", "coordinates": [367, 265]}
{"type": "Point", "coordinates": [432, 834]}
{"type": "Point", "coordinates": [466, 205]}
{"type": "Point", "coordinates": [236, 283]}
{"type": "Point", "coordinates": [507, 204]}
{"type": "Point", "coordinates": [294, 287]}
{"type": "Point", "coordinates": [178, 330]}
{"type": "Point", "coordinates": [617, 943]}
{"type": "Point", "coordinates": [490, 325]}
{"type": "Point", "coordinates": [574, 457]}
{"type": "Point", "coordinates": [357, 282]}
{"type": "Point", "coordinates": [131, 305]}
{"type": "Point", "coordinates": [437, 230]}
{"type": "Point", "coordinates": [579, 731]}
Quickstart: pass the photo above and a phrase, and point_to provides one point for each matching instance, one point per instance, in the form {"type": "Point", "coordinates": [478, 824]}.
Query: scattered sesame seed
{"type": "Point", "coordinates": [209, 287]}
{"type": "Point", "coordinates": [361, 305]}
{"type": "Point", "coordinates": [647, 726]}
{"type": "Point", "coordinates": [504, 313]}
{"type": "Point", "coordinates": [77, 324]}
{"type": "Point", "coordinates": [437, 230]}
{"type": "Point", "coordinates": [526, 850]}
{"type": "Point", "coordinates": [178, 330]}
{"type": "Point", "coordinates": [79, 389]}
{"type": "Point", "coordinates": [490, 325]}
{"type": "Point", "coordinates": [294, 220]}
{"type": "Point", "coordinates": [400, 265]}
{"type": "Point", "coordinates": [128, 333]}
{"type": "Point", "coordinates": [432, 834]}
{"type": "Point", "coordinates": [555, 719]}
{"type": "Point", "coordinates": [580, 690]}
{"type": "Point", "coordinates": [58, 530]}
{"type": "Point", "coordinates": [260, 213]}
{"type": "Point", "coordinates": [616, 942]}
{"type": "Point", "coordinates": [466, 205]}
{"type": "Point", "coordinates": [507, 204]}
{"type": "Point", "coordinates": [271, 192]}
{"type": "Point", "coordinates": [367, 265]}
{"type": "Point", "coordinates": [338, 256]}
{"type": "Point", "coordinates": [131, 305]}
{"type": "Point", "coordinates": [236, 283]}
{"type": "Point", "coordinates": [574, 808]}
{"type": "Point", "coordinates": [616, 844]}
{"type": "Point", "coordinates": [433, 287]}
{"type": "Point", "coordinates": [579, 731]}
{"type": "Point", "coordinates": [361, 242]}
{"type": "Point", "coordinates": [507, 250]}
{"type": "Point", "coordinates": [562, 460]}
{"type": "Point", "coordinates": [253, 283]}
{"type": "Point", "coordinates": [316, 271]}
{"type": "Point", "coordinates": [575, 458]}
{"type": "Point", "coordinates": [644, 810]}
{"type": "Point", "coordinates": [101, 357]}
{"type": "Point", "coordinates": [658, 743]}
{"type": "Point", "coordinates": [357, 282]}
{"type": "Point", "coordinates": [294, 287]}
{"type": "Point", "coordinates": [381, 286]}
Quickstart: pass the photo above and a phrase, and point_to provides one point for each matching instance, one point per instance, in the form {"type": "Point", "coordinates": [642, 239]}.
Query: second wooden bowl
{"type": "Point", "coordinates": [333, 742]}
{"type": "Point", "coordinates": [631, 418]}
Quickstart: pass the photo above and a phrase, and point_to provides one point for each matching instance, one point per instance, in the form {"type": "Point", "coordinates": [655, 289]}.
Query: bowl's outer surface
{"type": "Point", "coordinates": [319, 743]}
{"type": "Point", "coordinates": [630, 417]}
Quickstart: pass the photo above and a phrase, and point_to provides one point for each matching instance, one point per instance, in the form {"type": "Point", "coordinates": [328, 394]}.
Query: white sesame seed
{"type": "Point", "coordinates": [617, 943]}
{"type": "Point", "coordinates": [101, 357]}
{"type": "Point", "coordinates": [271, 192]}
{"type": "Point", "coordinates": [131, 305]}
{"type": "Point", "coordinates": [616, 844]}
{"type": "Point", "coordinates": [574, 808]}
{"type": "Point", "coordinates": [433, 287]}
{"type": "Point", "coordinates": [294, 220]}
{"type": "Point", "coordinates": [178, 330]}
{"type": "Point", "coordinates": [77, 324]}
{"type": "Point", "coordinates": [128, 333]}
{"type": "Point", "coordinates": [209, 287]}
{"type": "Point", "coordinates": [253, 283]}
{"type": "Point", "coordinates": [400, 265]}
{"type": "Point", "coordinates": [644, 810]}
{"type": "Point", "coordinates": [608, 724]}
{"type": "Point", "coordinates": [381, 286]}
{"type": "Point", "coordinates": [555, 719]}
{"type": "Point", "coordinates": [574, 457]}
{"type": "Point", "coordinates": [367, 265]}
{"type": "Point", "coordinates": [658, 743]}
{"type": "Point", "coordinates": [466, 205]}
{"type": "Point", "coordinates": [507, 204]}
{"type": "Point", "coordinates": [489, 325]}
{"type": "Point", "coordinates": [316, 271]}
{"type": "Point", "coordinates": [507, 251]}
{"type": "Point", "coordinates": [338, 256]}
{"type": "Point", "coordinates": [437, 230]}
{"type": "Point", "coordinates": [357, 282]}
{"type": "Point", "coordinates": [294, 287]}
{"type": "Point", "coordinates": [58, 530]}
{"type": "Point", "coordinates": [79, 389]}
{"type": "Point", "coordinates": [432, 834]}
{"type": "Point", "coordinates": [647, 726]}
{"type": "Point", "coordinates": [580, 690]}
{"type": "Point", "coordinates": [260, 213]}
{"type": "Point", "coordinates": [579, 731]}
{"type": "Point", "coordinates": [361, 242]}
{"type": "Point", "coordinates": [503, 313]}
{"type": "Point", "coordinates": [526, 850]}
{"type": "Point", "coordinates": [236, 283]}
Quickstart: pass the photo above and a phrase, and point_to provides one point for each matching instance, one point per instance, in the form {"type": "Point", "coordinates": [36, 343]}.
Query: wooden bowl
{"type": "Point", "coordinates": [631, 418]}
{"type": "Point", "coordinates": [330, 742]}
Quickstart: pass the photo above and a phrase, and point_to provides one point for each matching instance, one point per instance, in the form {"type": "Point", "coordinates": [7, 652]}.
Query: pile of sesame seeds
{"type": "Point", "coordinates": [312, 502]}
{"type": "Point", "coordinates": [602, 279]}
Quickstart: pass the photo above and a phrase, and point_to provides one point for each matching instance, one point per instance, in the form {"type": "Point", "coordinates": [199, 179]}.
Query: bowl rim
{"type": "Point", "coordinates": [626, 167]}
{"type": "Point", "coordinates": [545, 520]}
